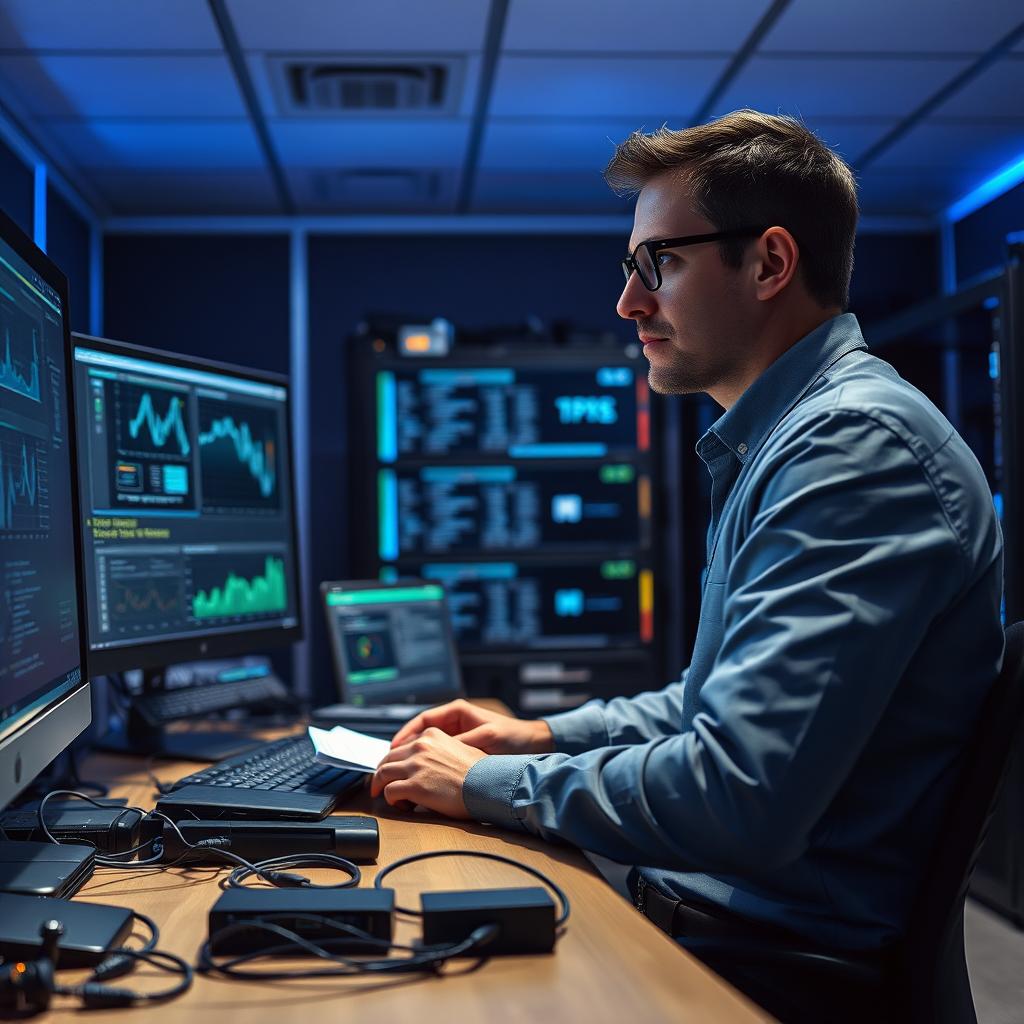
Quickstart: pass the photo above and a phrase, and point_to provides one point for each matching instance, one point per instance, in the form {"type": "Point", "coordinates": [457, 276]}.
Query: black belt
{"type": "Point", "coordinates": [680, 920]}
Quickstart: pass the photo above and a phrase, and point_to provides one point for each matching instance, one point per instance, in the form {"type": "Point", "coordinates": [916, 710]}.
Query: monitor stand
{"type": "Point", "coordinates": [139, 735]}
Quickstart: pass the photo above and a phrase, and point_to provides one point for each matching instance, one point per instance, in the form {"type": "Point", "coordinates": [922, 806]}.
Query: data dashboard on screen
{"type": "Point", "coordinates": [186, 486]}
{"type": "Point", "coordinates": [39, 625]}
{"type": "Point", "coordinates": [523, 480]}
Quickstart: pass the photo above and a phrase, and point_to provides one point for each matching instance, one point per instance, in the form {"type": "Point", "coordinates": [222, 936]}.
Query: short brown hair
{"type": "Point", "coordinates": [749, 168]}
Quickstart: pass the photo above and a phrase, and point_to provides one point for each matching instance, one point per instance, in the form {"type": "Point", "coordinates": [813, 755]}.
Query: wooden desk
{"type": "Point", "coordinates": [612, 964]}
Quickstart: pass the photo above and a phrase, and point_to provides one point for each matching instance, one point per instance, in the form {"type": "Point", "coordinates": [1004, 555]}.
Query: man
{"type": "Point", "coordinates": [793, 779]}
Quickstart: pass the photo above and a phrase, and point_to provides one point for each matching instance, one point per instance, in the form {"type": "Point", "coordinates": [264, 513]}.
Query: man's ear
{"type": "Point", "coordinates": [777, 258]}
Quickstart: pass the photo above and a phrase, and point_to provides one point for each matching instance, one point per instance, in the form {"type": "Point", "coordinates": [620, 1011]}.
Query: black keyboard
{"type": "Point", "coordinates": [278, 779]}
{"type": "Point", "coordinates": [199, 701]}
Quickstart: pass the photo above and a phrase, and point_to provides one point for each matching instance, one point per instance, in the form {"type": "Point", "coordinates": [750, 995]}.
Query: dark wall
{"type": "Point", "coordinates": [891, 272]}
{"type": "Point", "coordinates": [219, 296]}
{"type": "Point", "coordinates": [67, 244]}
{"type": "Point", "coordinates": [17, 189]}
{"type": "Point", "coordinates": [223, 297]}
{"type": "Point", "coordinates": [981, 237]}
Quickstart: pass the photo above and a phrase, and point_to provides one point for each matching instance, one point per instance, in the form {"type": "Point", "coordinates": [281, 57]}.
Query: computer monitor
{"type": "Point", "coordinates": [44, 690]}
{"type": "Point", "coordinates": [188, 519]}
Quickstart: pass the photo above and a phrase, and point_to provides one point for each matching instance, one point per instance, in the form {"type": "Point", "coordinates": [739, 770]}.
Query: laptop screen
{"type": "Point", "coordinates": [392, 644]}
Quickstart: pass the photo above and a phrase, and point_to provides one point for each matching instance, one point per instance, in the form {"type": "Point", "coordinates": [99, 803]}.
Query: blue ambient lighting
{"type": "Point", "coordinates": [1000, 182]}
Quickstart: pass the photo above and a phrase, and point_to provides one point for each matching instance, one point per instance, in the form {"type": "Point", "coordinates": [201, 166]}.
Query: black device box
{"type": "Point", "coordinates": [43, 869]}
{"type": "Point", "coordinates": [109, 829]}
{"type": "Point", "coordinates": [311, 913]}
{"type": "Point", "coordinates": [353, 836]}
{"type": "Point", "coordinates": [525, 917]}
{"type": "Point", "coordinates": [90, 929]}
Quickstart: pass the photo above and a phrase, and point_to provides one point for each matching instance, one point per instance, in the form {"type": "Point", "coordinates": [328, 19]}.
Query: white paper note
{"type": "Point", "coordinates": [346, 748]}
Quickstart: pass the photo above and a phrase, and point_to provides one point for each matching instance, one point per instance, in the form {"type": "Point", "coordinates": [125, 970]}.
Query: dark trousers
{"type": "Point", "coordinates": [794, 980]}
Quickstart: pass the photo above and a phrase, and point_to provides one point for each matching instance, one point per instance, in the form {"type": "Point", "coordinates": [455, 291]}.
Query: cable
{"type": "Point", "coordinates": [95, 995]}
{"type": "Point", "coordinates": [384, 872]}
{"type": "Point", "coordinates": [423, 959]}
{"type": "Point", "coordinates": [269, 869]}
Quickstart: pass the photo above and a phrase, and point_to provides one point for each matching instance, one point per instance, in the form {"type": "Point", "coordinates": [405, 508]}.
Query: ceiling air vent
{"type": "Point", "coordinates": [365, 86]}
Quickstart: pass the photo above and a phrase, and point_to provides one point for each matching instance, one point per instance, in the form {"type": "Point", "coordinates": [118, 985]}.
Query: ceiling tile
{"type": "Point", "coordinates": [124, 86]}
{"type": "Point", "coordinates": [603, 87]}
{"type": "Point", "coordinates": [107, 25]}
{"type": "Point", "coordinates": [373, 144]}
{"type": "Point", "coordinates": [996, 92]}
{"type": "Point", "coordinates": [541, 145]}
{"type": "Point", "coordinates": [385, 26]}
{"type": "Point", "coordinates": [972, 146]}
{"type": "Point", "coordinates": [666, 25]}
{"type": "Point", "coordinates": [133, 193]}
{"type": "Point", "coordinates": [844, 86]}
{"type": "Point", "coordinates": [421, 190]}
{"type": "Point", "coordinates": [547, 192]}
{"type": "Point", "coordinates": [908, 26]}
{"type": "Point", "coordinates": [159, 144]}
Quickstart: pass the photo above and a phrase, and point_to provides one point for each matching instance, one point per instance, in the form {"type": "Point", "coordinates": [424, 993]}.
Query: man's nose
{"type": "Point", "coordinates": [635, 302]}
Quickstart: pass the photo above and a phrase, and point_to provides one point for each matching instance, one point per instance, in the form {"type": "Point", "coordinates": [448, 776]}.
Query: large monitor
{"type": "Point", "coordinates": [187, 505]}
{"type": "Point", "coordinates": [525, 479]}
{"type": "Point", "coordinates": [44, 692]}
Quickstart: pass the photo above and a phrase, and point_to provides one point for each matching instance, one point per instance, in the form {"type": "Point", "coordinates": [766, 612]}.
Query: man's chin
{"type": "Point", "coordinates": [665, 381]}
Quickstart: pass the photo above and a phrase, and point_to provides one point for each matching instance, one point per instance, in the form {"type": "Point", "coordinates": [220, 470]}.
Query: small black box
{"type": "Point", "coordinates": [525, 916]}
{"type": "Point", "coordinates": [90, 929]}
{"type": "Point", "coordinates": [109, 829]}
{"type": "Point", "coordinates": [370, 910]}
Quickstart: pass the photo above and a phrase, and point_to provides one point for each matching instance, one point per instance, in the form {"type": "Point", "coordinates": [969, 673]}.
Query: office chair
{"type": "Point", "coordinates": [925, 980]}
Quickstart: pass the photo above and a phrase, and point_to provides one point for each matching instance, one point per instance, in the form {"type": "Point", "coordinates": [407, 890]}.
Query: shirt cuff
{"type": "Point", "coordinates": [579, 730]}
{"type": "Point", "coordinates": [488, 787]}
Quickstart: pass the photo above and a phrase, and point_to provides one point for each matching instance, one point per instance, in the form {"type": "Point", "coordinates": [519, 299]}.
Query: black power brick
{"type": "Point", "coordinates": [525, 919]}
{"type": "Point", "coordinates": [309, 913]}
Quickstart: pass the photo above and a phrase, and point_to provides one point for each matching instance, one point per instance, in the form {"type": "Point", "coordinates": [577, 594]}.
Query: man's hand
{"type": "Point", "coordinates": [489, 731]}
{"type": "Point", "coordinates": [429, 770]}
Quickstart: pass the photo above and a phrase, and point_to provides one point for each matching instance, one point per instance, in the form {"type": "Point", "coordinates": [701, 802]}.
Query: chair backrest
{"type": "Point", "coordinates": [934, 954]}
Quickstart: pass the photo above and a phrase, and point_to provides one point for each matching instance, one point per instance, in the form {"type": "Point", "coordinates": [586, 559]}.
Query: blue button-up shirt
{"type": "Point", "coordinates": [849, 629]}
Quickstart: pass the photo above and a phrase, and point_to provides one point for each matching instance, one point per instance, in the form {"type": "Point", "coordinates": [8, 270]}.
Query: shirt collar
{"type": "Point", "coordinates": [782, 385]}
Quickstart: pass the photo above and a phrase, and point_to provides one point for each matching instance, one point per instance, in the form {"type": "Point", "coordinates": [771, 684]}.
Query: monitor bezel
{"type": "Point", "coordinates": [69, 714]}
{"type": "Point", "coordinates": [159, 654]}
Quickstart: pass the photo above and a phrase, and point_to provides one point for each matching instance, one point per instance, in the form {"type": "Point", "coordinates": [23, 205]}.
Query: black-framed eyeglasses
{"type": "Point", "coordinates": [644, 258]}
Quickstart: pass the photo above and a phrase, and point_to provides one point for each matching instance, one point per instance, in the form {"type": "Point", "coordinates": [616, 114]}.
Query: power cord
{"type": "Point", "coordinates": [427, 855]}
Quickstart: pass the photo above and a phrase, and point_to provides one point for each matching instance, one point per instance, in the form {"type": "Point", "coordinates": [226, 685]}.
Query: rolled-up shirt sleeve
{"type": "Point", "coordinates": [849, 557]}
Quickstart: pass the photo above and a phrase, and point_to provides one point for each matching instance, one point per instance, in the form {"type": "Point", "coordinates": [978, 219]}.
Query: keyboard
{"type": "Point", "coordinates": [199, 701]}
{"type": "Point", "coordinates": [280, 779]}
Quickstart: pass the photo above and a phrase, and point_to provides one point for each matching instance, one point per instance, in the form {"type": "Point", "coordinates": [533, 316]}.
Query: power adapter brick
{"type": "Point", "coordinates": [311, 913]}
{"type": "Point", "coordinates": [525, 918]}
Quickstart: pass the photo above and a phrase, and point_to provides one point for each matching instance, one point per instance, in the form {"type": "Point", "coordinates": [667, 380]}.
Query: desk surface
{"type": "Point", "coordinates": [611, 964]}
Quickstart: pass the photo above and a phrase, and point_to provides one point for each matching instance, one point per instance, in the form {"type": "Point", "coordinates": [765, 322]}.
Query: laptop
{"type": "Point", "coordinates": [393, 652]}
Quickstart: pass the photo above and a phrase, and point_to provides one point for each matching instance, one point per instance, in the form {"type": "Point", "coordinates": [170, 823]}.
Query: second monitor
{"type": "Point", "coordinates": [188, 509]}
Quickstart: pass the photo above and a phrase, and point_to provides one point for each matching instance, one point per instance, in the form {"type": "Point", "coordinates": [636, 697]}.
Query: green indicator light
{"type": "Point", "coordinates": [623, 569]}
{"type": "Point", "coordinates": [617, 474]}
{"type": "Point", "coordinates": [428, 593]}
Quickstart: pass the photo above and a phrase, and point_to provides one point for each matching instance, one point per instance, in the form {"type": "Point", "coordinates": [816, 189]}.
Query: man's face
{"type": "Point", "coordinates": [696, 326]}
